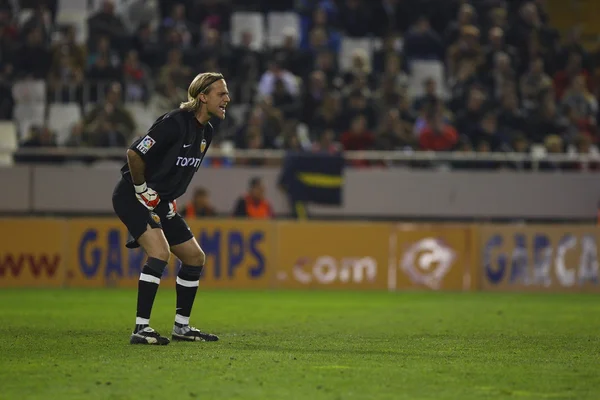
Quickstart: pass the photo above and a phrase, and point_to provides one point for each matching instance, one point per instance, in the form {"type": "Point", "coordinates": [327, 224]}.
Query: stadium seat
{"type": "Point", "coordinates": [26, 115]}
{"type": "Point", "coordinates": [29, 91]}
{"type": "Point", "coordinates": [277, 22]}
{"type": "Point", "coordinates": [8, 141]}
{"type": "Point", "coordinates": [61, 118]}
{"type": "Point", "coordinates": [253, 22]}
{"type": "Point", "coordinates": [144, 116]}
{"type": "Point", "coordinates": [347, 48]}
{"type": "Point", "coordinates": [421, 70]}
{"type": "Point", "coordinates": [238, 113]}
{"type": "Point", "coordinates": [24, 15]}
{"type": "Point", "coordinates": [72, 6]}
{"type": "Point", "coordinates": [79, 20]}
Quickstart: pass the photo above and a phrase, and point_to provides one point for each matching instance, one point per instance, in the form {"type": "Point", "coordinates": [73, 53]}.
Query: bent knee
{"type": "Point", "coordinates": [199, 258]}
{"type": "Point", "coordinates": [160, 252]}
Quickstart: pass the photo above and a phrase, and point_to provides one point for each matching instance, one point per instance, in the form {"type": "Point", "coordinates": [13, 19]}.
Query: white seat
{"type": "Point", "coordinates": [8, 142]}
{"type": "Point", "coordinates": [348, 46]}
{"type": "Point", "coordinates": [25, 115]}
{"type": "Point", "coordinates": [24, 15]}
{"type": "Point", "coordinates": [29, 91]}
{"type": "Point", "coordinates": [61, 118]}
{"type": "Point", "coordinates": [421, 70]}
{"type": "Point", "coordinates": [252, 22]}
{"type": "Point", "coordinates": [69, 6]}
{"type": "Point", "coordinates": [143, 116]}
{"type": "Point", "coordinates": [78, 19]}
{"type": "Point", "coordinates": [277, 22]}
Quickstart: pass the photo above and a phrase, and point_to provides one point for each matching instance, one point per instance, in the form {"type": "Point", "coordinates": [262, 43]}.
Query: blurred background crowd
{"type": "Point", "coordinates": [310, 75]}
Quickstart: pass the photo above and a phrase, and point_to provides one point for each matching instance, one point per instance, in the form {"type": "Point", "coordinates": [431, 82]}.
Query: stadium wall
{"type": "Point", "coordinates": [369, 193]}
{"type": "Point", "coordinates": [91, 252]}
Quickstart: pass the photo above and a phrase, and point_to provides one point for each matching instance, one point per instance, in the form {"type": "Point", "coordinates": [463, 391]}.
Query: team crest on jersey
{"type": "Point", "coordinates": [203, 145]}
{"type": "Point", "coordinates": [155, 217]}
{"type": "Point", "coordinates": [145, 144]}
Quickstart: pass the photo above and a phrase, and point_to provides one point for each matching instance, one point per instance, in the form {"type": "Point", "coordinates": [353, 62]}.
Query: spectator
{"type": "Point", "coordinates": [355, 18]}
{"type": "Point", "coordinates": [65, 77]}
{"type": "Point", "coordinates": [554, 146]}
{"type": "Point", "coordinates": [106, 23]}
{"type": "Point", "coordinates": [254, 205]}
{"type": "Point", "coordinates": [266, 85]}
{"type": "Point", "coordinates": [213, 14]}
{"type": "Point", "coordinates": [174, 71]}
{"type": "Point", "coordinates": [331, 37]}
{"type": "Point", "coordinates": [327, 143]}
{"type": "Point", "coordinates": [466, 17]}
{"type": "Point", "coordinates": [247, 67]}
{"type": "Point", "coordinates": [390, 17]}
{"type": "Point", "coordinates": [467, 47]}
{"type": "Point", "coordinates": [103, 48]}
{"type": "Point", "coordinates": [469, 119]}
{"type": "Point", "coordinates": [438, 135]}
{"type": "Point", "coordinates": [488, 132]}
{"type": "Point", "coordinates": [534, 83]}
{"type": "Point", "coordinates": [110, 123]}
{"type": "Point", "coordinates": [546, 121]}
{"type": "Point", "coordinates": [501, 78]}
{"type": "Point", "coordinates": [141, 12]}
{"type": "Point", "coordinates": [520, 145]}
{"type": "Point", "coordinates": [176, 22]}
{"type": "Point", "coordinates": [33, 58]}
{"type": "Point", "coordinates": [564, 78]}
{"type": "Point", "coordinates": [423, 43]}
{"type": "Point", "coordinates": [583, 146]}
{"type": "Point", "coordinates": [390, 48]}
{"type": "Point", "coordinates": [136, 78]}
{"type": "Point", "coordinates": [581, 101]}
{"type": "Point", "coordinates": [200, 205]}
{"type": "Point", "coordinates": [67, 46]}
{"type": "Point", "coordinates": [496, 45]}
{"type": "Point", "coordinates": [358, 137]}
{"type": "Point", "coordinates": [511, 118]}
{"type": "Point", "coordinates": [313, 96]}
{"type": "Point", "coordinates": [297, 60]}
{"type": "Point", "coordinates": [393, 134]}
{"type": "Point", "coordinates": [429, 98]}
{"type": "Point", "coordinates": [7, 102]}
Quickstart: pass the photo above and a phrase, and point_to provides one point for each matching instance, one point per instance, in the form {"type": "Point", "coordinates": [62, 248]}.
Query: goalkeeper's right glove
{"type": "Point", "coordinates": [147, 196]}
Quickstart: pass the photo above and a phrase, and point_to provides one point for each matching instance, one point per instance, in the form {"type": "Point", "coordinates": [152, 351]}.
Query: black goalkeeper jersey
{"type": "Point", "coordinates": [173, 150]}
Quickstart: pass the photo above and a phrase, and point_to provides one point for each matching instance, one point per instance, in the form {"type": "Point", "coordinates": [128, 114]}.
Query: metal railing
{"type": "Point", "coordinates": [385, 157]}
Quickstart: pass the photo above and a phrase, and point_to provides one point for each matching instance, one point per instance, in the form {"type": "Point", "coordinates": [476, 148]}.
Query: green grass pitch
{"type": "Point", "coordinates": [73, 344]}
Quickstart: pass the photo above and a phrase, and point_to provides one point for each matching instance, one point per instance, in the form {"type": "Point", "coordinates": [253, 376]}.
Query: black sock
{"type": "Point", "coordinates": [147, 288]}
{"type": "Point", "coordinates": [188, 280]}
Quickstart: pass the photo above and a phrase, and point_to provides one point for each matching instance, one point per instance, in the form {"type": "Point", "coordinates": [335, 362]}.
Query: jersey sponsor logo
{"type": "Point", "coordinates": [145, 144]}
{"type": "Point", "coordinates": [203, 145]}
{"type": "Point", "coordinates": [155, 217]}
{"type": "Point", "coordinates": [185, 146]}
{"type": "Point", "coordinates": [188, 162]}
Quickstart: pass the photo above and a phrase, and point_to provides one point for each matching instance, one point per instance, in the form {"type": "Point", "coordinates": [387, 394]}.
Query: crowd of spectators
{"type": "Point", "coordinates": [511, 80]}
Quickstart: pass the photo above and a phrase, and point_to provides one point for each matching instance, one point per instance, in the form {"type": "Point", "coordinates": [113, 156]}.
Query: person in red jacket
{"type": "Point", "coordinates": [438, 136]}
{"type": "Point", "coordinates": [358, 138]}
{"type": "Point", "coordinates": [254, 205]}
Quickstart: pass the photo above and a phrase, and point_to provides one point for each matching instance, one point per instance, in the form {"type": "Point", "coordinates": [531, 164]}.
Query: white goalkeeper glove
{"type": "Point", "coordinates": [147, 196]}
{"type": "Point", "coordinates": [172, 209]}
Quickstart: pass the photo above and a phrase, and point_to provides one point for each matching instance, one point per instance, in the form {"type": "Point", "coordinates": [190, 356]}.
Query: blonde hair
{"type": "Point", "coordinates": [200, 84]}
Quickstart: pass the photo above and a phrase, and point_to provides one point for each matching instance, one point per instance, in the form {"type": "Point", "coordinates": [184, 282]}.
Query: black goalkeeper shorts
{"type": "Point", "coordinates": [137, 217]}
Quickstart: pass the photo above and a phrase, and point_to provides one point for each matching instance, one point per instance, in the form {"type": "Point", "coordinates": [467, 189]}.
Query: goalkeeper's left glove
{"type": "Point", "coordinates": [172, 209]}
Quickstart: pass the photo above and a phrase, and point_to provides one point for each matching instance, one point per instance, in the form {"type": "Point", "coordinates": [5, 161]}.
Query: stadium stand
{"type": "Point", "coordinates": [482, 76]}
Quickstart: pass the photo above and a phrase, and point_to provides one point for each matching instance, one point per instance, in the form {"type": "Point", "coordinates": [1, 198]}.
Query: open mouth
{"type": "Point", "coordinates": [222, 108]}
